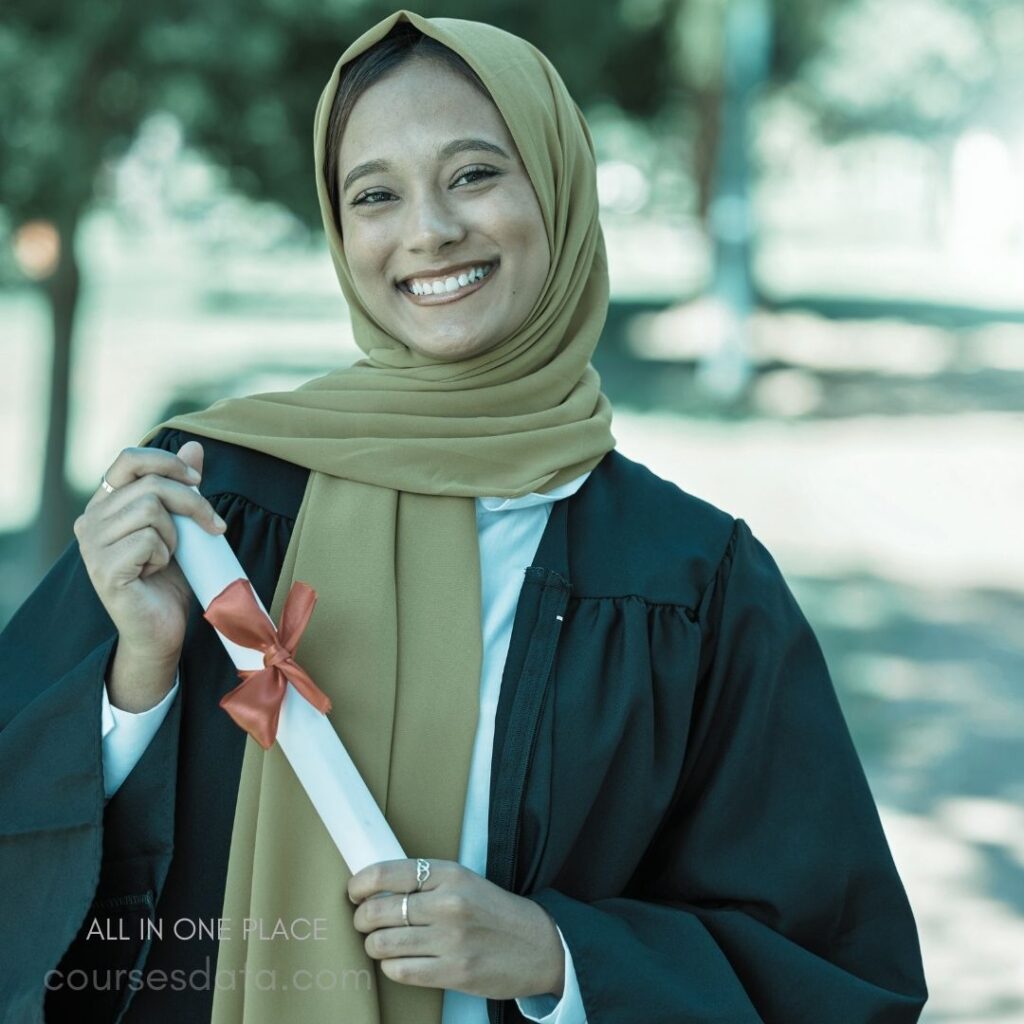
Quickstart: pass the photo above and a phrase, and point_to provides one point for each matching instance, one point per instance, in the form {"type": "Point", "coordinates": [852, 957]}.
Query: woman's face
{"type": "Point", "coordinates": [433, 193]}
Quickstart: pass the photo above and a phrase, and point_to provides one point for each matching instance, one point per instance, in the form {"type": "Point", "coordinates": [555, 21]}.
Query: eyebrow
{"type": "Point", "coordinates": [444, 152]}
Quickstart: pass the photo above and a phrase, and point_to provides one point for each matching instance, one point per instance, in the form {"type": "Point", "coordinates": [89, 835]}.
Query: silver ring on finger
{"type": "Point", "coordinates": [405, 910]}
{"type": "Point", "coordinates": [422, 872]}
{"type": "Point", "coordinates": [107, 487]}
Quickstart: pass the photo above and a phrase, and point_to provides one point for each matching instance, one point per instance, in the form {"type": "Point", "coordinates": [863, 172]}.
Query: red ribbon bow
{"type": "Point", "coordinates": [255, 704]}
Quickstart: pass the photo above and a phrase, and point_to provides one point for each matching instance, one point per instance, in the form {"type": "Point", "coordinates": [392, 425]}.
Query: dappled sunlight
{"type": "Point", "coordinates": [929, 681]}
{"type": "Point", "coordinates": [970, 940]}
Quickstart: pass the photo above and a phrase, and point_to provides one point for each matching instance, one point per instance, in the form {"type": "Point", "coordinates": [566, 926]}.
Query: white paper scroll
{"type": "Point", "coordinates": [307, 738]}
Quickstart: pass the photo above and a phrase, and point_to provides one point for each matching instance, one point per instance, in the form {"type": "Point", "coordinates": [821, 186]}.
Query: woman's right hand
{"type": "Point", "coordinates": [127, 540]}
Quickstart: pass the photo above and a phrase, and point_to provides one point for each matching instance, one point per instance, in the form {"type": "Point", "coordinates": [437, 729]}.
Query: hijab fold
{"type": "Point", "coordinates": [398, 445]}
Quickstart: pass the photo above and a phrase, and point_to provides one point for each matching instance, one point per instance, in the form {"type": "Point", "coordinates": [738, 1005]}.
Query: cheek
{"type": "Point", "coordinates": [531, 236]}
{"type": "Point", "coordinates": [519, 231]}
{"type": "Point", "coordinates": [533, 246]}
{"type": "Point", "coordinates": [366, 251]}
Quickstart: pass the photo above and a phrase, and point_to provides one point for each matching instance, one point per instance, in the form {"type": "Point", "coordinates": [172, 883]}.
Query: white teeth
{"type": "Point", "coordinates": [449, 284]}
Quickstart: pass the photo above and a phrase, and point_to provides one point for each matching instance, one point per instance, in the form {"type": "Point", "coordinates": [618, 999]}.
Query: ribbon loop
{"type": "Point", "coordinates": [255, 704]}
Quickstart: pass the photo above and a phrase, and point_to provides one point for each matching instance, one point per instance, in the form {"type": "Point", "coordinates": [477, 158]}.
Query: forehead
{"type": "Point", "coordinates": [418, 105]}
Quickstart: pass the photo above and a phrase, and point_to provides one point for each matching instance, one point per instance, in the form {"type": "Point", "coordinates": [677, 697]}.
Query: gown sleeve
{"type": "Point", "coordinates": [68, 856]}
{"type": "Point", "coordinates": [769, 893]}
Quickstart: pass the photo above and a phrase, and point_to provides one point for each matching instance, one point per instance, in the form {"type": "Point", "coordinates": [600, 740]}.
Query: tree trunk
{"type": "Point", "coordinates": [708, 109]}
{"type": "Point", "coordinates": [725, 371]}
{"type": "Point", "coordinates": [57, 512]}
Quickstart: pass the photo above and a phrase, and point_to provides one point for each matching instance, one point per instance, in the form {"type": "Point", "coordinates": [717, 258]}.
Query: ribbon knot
{"type": "Point", "coordinates": [277, 655]}
{"type": "Point", "coordinates": [255, 704]}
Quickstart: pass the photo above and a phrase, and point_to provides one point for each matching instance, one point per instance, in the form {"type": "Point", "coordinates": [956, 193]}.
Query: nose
{"type": "Point", "coordinates": [432, 222]}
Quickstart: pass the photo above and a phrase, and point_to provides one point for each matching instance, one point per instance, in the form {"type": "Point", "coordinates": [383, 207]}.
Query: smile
{"type": "Point", "coordinates": [436, 291]}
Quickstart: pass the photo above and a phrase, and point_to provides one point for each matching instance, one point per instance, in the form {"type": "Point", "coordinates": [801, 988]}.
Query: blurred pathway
{"type": "Point", "coordinates": [900, 538]}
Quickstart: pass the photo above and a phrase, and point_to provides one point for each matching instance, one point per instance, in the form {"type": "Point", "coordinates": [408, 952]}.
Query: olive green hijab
{"type": "Point", "coordinates": [399, 445]}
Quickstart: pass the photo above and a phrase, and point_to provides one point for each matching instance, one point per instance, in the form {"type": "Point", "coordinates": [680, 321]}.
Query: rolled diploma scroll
{"type": "Point", "coordinates": [313, 748]}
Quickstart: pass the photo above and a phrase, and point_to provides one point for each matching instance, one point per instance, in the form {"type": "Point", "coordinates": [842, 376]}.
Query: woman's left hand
{"type": "Point", "coordinates": [464, 932]}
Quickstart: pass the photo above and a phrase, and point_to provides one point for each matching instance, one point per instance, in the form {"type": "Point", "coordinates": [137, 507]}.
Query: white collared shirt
{"type": "Point", "coordinates": [508, 544]}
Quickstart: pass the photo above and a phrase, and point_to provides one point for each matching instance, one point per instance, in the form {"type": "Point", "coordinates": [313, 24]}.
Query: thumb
{"type": "Point", "coordinates": [191, 452]}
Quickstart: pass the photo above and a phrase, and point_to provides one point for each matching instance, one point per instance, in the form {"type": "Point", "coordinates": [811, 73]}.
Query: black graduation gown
{"type": "Point", "coordinates": [673, 780]}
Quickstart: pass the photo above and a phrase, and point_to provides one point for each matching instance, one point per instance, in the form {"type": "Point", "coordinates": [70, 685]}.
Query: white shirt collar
{"type": "Point", "coordinates": [533, 498]}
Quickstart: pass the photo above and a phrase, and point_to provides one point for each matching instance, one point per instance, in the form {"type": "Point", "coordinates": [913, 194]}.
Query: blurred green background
{"type": "Point", "coordinates": [814, 214]}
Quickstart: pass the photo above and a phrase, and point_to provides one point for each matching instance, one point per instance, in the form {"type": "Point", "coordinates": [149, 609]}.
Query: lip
{"type": "Point", "coordinates": [445, 297]}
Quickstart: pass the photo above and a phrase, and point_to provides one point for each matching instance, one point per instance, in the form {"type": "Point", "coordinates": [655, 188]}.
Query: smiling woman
{"type": "Point", "coordinates": [441, 226]}
{"type": "Point", "coordinates": [586, 701]}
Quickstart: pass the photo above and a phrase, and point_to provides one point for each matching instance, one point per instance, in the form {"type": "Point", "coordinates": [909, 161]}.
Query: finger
{"type": "Point", "coordinates": [372, 879]}
{"type": "Point", "coordinates": [385, 911]}
{"type": "Point", "coordinates": [174, 497]}
{"type": "Point", "coordinates": [135, 511]}
{"type": "Point", "coordinates": [387, 943]}
{"type": "Point", "coordinates": [135, 463]}
{"type": "Point", "coordinates": [392, 876]}
{"type": "Point", "coordinates": [424, 971]}
{"type": "Point", "coordinates": [192, 454]}
{"type": "Point", "coordinates": [159, 559]}
{"type": "Point", "coordinates": [128, 557]}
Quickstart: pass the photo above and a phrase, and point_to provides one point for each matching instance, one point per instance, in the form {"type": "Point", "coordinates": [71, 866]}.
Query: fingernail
{"type": "Point", "coordinates": [217, 521]}
{"type": "Point", "coordinates": [194, 475]}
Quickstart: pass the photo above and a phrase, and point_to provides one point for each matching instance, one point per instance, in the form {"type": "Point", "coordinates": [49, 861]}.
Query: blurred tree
{"type": "Point", "coordinates": [924, 68]}
{"type": "Point", "coordinates": [243, 77]}
{"type": "Point", "coordinates": [941, 63]}
{"type": "Point", "coordinates": [724, 369]}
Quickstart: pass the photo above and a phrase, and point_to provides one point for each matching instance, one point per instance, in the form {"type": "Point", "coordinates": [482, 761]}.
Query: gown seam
{"type": "Point", "coordinates": [250, 502]}
{"type": "Point", "coordinates": [675, 605]}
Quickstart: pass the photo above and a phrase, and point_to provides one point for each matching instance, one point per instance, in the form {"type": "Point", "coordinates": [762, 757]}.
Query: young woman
{"type": "Point", "coordinates": [586, 701]}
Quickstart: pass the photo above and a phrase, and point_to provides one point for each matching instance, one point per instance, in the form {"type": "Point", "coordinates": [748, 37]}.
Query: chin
{"type": "Point", "coordinates": [449, 350]}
